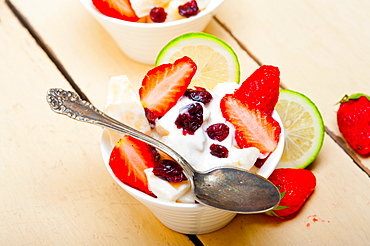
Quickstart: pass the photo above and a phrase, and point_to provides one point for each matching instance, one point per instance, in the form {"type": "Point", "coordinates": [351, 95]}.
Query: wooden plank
{"type": "Point", "coordinates": [336, 214]}
{"type": "Point", "coordinates": [88, 52]}
{"type": "Point", "coordinates": [319, 57]}
{"type": "Point", "coordinates": [321, 47]}
{"type": "Point", "coordinates": [268, 30]}
{"type": "Point", "coordinates": [55, 189]}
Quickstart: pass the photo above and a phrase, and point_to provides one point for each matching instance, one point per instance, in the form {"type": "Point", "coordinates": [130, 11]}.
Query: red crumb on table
{"type": "Point", "coordinates": [314, 219]}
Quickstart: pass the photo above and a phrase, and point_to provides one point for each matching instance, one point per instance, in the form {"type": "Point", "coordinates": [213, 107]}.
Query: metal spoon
{"type": "Point", "coordinates": [226, 188]}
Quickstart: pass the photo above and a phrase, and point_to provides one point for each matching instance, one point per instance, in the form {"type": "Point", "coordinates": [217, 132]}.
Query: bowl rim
{"type": "Point", "coordinates": [212, 6]}
{"type": "Point", "coordinates": [106, 149]}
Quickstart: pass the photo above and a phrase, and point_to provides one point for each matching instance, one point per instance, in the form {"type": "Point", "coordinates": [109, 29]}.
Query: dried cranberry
{"type": "Point", "coordinates": [189, 9]}
{"type": "Point", "coordinates": [259, 162]}
{"type": "Point", "coordinates": [157, 14]}
{"type": "Point", "coordinates": [219, 151]}
{"type": "Point", "coordinates": [155, 153]}
{"type": "Point", "coordinates": [169, 170]}
{"type": "Point", "coordinates": [151, 117]}
{"type": "Point", "coordinates": [199, 95]}
{"type": "Point", "coordinates": [190, 118]}
{"type": "Point", "coordinates": [218, 131]}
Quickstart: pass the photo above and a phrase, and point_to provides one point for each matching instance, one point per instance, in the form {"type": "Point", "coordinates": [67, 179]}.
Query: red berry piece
{"type": "Point", "coordinates": [295, 186]}
{"type": "Point", "coordinates": [190, 118]}
{"type": "Point", "coordinates": [128, 160]}
{"type": "Point", "coordinates": [155, 153]}
{"type": "Point", "coordinates": [151, 117]}
{"type": "Point", "coordinates": [158, 14]}
{"type": "Point", "coordinates": [120, 10]}
{"type": "Point", "coordinates": [219, 151]}
{"type": "Point", "coordinates": [253, 128]}
{"type": "Point", "coordinates": [199, 95]}
{"type": "Point", "coordinates": [259, 162]}
{"type": "Point", "coordinates": [169, 170]}
{"type": "Point", "coordinates": [189, 9]}
{"type": "Point", "coordinates": [353, 118]}
{"type": "Point", "coordinates": [218, 131]}
{"type": "Point", "coordinates": [261, 89]}
{"type": "Point", "coordinates": [162, 86]}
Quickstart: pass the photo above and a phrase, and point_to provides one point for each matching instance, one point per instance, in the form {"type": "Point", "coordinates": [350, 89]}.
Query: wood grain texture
{"type": "Point", "coordinates": [55, 189]}
{"type": "Point", "coordinates": [336, 213]}
{"type": "Point", "coordinates": [321, 49]}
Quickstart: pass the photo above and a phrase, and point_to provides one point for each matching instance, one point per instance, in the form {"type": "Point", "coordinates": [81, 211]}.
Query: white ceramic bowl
{"type": "Point", "coordinates": [190, 218]}
{"type": "Point", "coordinates": [143, 41]}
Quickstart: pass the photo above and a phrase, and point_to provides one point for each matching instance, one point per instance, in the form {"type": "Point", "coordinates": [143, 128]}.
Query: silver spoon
{"type": "Point", "coordinates": [226, 188]}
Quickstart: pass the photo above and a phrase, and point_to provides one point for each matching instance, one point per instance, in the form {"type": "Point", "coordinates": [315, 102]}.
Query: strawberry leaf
{"type": "Point", "coordinates": [280, 207]}
{"type": "Point", "coordinates": [355, 96]}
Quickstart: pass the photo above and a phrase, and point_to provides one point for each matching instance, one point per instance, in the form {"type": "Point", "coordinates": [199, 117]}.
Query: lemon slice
{"type": "Point", "coordinates": [216, 60]}
{"type": "Point", "coordinates": [304, 129]}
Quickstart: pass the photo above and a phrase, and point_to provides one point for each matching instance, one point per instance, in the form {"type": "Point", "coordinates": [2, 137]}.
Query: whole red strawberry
{"type": "Point", "coordinates": [295, 186]}
{"type": "Point", "coordinates": [261, 89]}
{"type": "Point", "coordinates": [353, 118]}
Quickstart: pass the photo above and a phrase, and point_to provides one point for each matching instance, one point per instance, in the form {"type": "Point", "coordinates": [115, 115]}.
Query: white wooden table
{"type": "Point", "coordinates": [55, 189]}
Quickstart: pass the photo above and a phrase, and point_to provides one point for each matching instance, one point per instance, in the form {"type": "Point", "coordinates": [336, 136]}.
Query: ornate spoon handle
{"type": "Point", "coordinates": [70, 104]}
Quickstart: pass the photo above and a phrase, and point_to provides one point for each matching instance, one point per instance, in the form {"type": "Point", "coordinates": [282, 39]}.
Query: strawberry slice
{"type": "Point", "coordinates": [261, 89]}
{"type": "Point", "coordinates": [162, 86]}
{"type": "Point", "coordinates": [128, 160]}
{"type": "Point", "coordinates": [253, 128]}
{"type": "Point", "coordinates": [120, 9]}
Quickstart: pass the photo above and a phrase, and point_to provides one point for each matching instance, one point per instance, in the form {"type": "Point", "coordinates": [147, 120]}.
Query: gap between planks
{"type": "Point", "coordinates": [23, 20]}
{"type": "Point", "coordinates": [331, 134]}
{"type": "Point", "coordinates": [193, 238]}
{"type": "Point", "coordinates": [67, 76]}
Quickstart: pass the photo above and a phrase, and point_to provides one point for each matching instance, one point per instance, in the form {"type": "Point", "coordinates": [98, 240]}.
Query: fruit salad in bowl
{"type": "Point", "coordinates": [140, 34]}
{"type": "Point", "coordinates": [233, 125]}
{"type": "Point", "coordinates": [150, 11]}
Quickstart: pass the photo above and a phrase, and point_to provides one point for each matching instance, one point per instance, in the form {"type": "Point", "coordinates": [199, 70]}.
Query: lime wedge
{"type": "Point", "coordinates": [216, 60]}
{"type": "Point", "coordinates": [304, 129]}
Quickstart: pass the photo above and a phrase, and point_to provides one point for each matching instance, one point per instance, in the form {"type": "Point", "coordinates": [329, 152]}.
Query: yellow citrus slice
{"type": "Point", "coordinates": [216, 61]}
{"type": "Point", "coordinates": [304, 129]}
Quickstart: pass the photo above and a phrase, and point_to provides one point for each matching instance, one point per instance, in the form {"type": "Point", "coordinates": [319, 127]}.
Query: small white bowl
{"type": "Point", "coordinates": [190, 218]}
{"type": "Point", "coordinates": [143, 41]}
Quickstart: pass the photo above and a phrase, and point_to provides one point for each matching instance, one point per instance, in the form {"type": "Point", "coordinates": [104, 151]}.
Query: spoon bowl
{"type": "Point", "coordinates": [239, 191]}
{"type": "Point", "coordinates": [225, 188]}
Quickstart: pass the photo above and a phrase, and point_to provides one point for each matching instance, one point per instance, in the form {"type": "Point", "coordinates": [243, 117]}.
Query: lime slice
{"type": "Point", "coordinates": [216, 60]}
{"type": "Point", "coordinates": [304, 129]}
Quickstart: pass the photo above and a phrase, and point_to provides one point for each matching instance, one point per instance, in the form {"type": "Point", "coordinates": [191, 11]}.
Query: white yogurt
{"type": "Point", "coordinates": [196, 148]}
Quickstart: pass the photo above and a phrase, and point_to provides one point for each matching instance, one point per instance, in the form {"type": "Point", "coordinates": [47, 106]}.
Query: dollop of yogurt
{"type": "Point", "coordinates": [196, 148]}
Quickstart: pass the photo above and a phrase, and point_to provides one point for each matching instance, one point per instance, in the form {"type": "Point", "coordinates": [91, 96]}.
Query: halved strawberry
{"type": "Point", "coordinates": [261, 89]}
{"type": "Point", "coordinates": [253, 128]}
{"type": "Point", "coordinates": [128, 160]}
{"type": "Point", "coordinates": [162, 86]}
{"type": "Point", "coordinates": [120, 9]}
